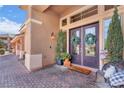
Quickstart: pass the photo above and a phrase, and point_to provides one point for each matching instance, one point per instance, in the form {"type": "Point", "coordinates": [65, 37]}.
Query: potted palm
{"type": "Point", "coordinates": [66, 57]}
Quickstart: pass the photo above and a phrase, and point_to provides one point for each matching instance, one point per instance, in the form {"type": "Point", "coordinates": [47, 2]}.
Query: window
{"type": "Point", "coordinates": [76, 17]}
{"type": "Point", "coordinates": [106, 28]}
{"type": "Point", "coordinates": [84, 14]}
{"type": "Point", "coordinates": [89, 12]}
{"type": "Point", "coordinates": [108, 7]}
{"type": "Point", "coordinates": [64, 22]}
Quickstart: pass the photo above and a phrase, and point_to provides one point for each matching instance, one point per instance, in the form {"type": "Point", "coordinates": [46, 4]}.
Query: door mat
{"type": "Point", "coordinates": [80, 69]}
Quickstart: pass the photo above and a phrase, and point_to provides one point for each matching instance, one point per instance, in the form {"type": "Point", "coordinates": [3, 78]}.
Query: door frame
{"type": "Point", "coordinates": [82, 45]}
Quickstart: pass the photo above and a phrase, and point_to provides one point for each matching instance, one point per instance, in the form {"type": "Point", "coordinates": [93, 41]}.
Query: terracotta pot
{"type": "Point", "coordinates": [67, 63]}
{"type": "Point", "coordinates": [67, 59]}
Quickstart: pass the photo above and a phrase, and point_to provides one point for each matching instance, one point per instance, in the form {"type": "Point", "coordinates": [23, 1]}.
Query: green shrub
{"type": "Point", "coordinates": [65, 56]}
{"type": "Point", "coordinates": [61, 44]}
{"type": "Point", "coordinates": [115, 41]}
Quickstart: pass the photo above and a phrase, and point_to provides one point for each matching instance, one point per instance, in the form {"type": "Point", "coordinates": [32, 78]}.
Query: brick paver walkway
{"type": "Point", "coordinates": [14, 74]}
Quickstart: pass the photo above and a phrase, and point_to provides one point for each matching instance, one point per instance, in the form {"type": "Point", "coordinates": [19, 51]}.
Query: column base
{"type": "Point", "coordinates": [33, 62]}
{"type": "Point", "coordinates": [17, 52]}
{"type": "Point", "coordinates": [21, 55]}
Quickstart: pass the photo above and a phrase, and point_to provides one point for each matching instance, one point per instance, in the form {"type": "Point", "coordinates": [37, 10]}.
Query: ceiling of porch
{"type": "Point", "coordinates": [60, 10]}
{"type": "Point", "coordinates": [40, 8]}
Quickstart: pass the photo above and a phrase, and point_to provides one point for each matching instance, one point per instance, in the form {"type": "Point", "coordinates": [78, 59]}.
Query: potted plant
{"type": "Point", "coordinates": [66, 58]}
{"type": "Point", "coordinates": [60, 47]}
{"type": "Point", "coordinates": [59, 60]}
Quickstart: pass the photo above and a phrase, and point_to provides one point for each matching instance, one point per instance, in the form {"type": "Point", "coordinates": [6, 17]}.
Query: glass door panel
{"type": "Point", "coordinates": [76, 43]}
{"type": "Point", "coordinates": [90, 41]}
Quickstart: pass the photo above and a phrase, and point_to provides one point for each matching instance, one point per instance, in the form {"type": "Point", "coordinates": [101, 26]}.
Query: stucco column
{"type": "Point", "coordinates": [67, 41]}
{"type": "Point", "coordinates": [27, 41]}
{"type": "Point", "coordinates": [32, 61]}
{"type": "Point", "coordinates": [8, 44]}
{"type": "Point", "coordinates": [101, 37]}
{"type": "Point", "coordinates": [17, 48]}
{"type": "Point", "coordinates": [21, 48]}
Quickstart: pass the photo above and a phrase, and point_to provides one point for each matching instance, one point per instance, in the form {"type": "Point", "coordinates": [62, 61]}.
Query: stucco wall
{"type": "Point", "coordinates": [27, 40]}
{"type": "Point", "coordinates": [40, 35]}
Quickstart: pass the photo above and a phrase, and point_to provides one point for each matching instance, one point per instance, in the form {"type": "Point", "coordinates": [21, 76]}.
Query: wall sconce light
{"type": "Point", "coordinates": [52, 36]}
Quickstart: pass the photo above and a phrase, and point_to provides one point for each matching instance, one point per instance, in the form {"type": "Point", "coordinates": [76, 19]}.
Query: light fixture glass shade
{"type": "Point", "coordinates": [52, 36]}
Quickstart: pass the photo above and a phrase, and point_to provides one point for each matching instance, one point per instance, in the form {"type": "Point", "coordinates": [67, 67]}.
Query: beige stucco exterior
{"type": "Point", "coordinates": [40, 35]}
{"type": "Point", "coordinates": [43, 20]}
{"type": "Point", "coordinates": [37, 42]}
{"type": "Point", "coordinates": [18, 46]}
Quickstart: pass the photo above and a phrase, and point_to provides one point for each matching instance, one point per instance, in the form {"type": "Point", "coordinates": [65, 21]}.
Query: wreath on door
{"type": "Point", "coordinates": [90, 39]}
{"type": "Point", "coordinates": [75, 40]}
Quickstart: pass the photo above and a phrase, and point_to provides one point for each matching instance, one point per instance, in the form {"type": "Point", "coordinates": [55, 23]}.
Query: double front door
{"type": "Point", "coordinates": [84, 45]}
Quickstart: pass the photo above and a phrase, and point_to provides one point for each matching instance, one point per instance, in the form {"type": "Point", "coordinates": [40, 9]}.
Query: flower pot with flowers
{"type": "Point", "coordinates": [66, 57]}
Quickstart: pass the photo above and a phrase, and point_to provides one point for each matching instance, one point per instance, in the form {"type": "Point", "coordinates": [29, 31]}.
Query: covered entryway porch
{"type": "Point", "coordinates": [49, 19]}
